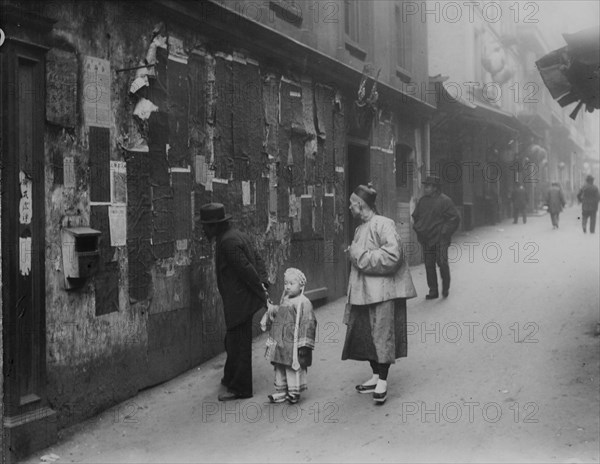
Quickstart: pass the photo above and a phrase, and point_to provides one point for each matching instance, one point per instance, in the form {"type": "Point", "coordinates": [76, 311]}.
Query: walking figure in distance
{"type": "Point", "coordinates": [292, 327]}
{"type": "Point", "coordinates": [435, 220]}
{"type": "Point", "coordinates": [589, 197]}
{"type": "Point", "coordinates": [555, 202]}
{"type": "Point", "coordinates": [519, 199]}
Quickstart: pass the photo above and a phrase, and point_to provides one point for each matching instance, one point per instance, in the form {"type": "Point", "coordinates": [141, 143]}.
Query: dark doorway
{"type": "Point", "coordinates": [404, 172]}
{"type": "Point", "coordinates": [358, 172]}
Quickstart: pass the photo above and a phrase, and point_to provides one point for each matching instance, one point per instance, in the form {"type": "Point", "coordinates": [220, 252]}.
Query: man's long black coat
{"type": "Point", "coordinates": [240, 274]}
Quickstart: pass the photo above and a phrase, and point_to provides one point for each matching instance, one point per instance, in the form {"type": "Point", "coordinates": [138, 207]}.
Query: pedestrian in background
{"type": "Point", "coordinates": [242, 282]}
{"type": "Point", "coordinates": [589, 197]}
{"type": "Point", "coordinates": [435, 219]}
{"type": "Point", "coordinates": [555, 202]}
{"type": "Point", "coordinates": [379, 285]}
{"type": "Point", "coordinates": [291, 339]}
{"type": "Point", "coordinates": [519, 198]}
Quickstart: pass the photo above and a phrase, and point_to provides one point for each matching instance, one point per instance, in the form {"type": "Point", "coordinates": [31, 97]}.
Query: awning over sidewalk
{"type": "Point", "coordinates": [501, 118]}
{"type": "Point", "coordinates": [572, 73]}
{"type": "Point", "coordinates": [452, 104]}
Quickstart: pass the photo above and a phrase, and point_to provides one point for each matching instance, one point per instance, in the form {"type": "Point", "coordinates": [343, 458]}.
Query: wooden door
{"type": "Point", "coordinates": [22, 109]}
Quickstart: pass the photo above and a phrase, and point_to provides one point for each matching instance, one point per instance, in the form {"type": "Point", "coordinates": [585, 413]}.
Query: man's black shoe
{"type": "Point", "coordinates": [445, 293]}
{"type": "Point", "coordinates": [229, 396]}
{"type": "Point", "coordinates": [431, 296]}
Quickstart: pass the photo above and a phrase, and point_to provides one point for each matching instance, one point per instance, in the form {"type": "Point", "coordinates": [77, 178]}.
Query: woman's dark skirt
{"type": "Point", "coordinates": [376, 332]}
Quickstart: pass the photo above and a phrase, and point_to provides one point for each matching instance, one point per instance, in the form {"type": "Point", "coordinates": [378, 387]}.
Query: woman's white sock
{"type": "Point", "coordinates": [372, 381]}
{"type": "Point", "coordinates": [381, 386]}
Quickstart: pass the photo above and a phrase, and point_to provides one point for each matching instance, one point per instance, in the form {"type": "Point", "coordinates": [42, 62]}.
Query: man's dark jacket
{"type": "Point", "coordinates": [240, 274]}
{"type": "Point", "coordinates": [589, 197]}
{"type": "Point", "coordinates": [520, 198]}
{"type": "Point", "coordinates": [435, 219]}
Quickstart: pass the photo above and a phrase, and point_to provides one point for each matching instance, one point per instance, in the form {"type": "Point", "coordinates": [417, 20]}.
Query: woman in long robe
{"type": "Point", "coordinates": [379, 285]}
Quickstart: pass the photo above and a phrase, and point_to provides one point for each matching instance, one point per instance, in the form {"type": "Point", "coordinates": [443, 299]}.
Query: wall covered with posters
{"type": "Point", "coordinates": [146, 121]}
{"type": "Point", "coordinates": [147, 118]}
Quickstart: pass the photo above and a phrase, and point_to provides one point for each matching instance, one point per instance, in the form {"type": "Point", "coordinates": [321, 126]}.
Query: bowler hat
{"type": "Point", "coordinates": [212, 213]}
{"type": "Point", "coordinates": [434, 180]}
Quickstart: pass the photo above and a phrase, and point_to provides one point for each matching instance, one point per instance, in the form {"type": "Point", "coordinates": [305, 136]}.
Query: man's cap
{"type": "Point", "coordinates": [589, 178]}
{"type": "Point", "coordinates": [433, 180]}
{"type": "Point", "coordinates": [367, 193]}
{"type": "Point", "coordinates": [213, 213]}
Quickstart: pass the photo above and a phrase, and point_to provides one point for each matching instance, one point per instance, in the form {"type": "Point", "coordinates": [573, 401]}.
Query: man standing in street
{"type": "Point", "coordinates": [519, 199]}
{"type": "Point", "coordinates": [435, 220]}
{"type": "Point", "coordinates": [555, 202]}
{"type": "Point", "coordinates": [242, 282]}
{"type": "Point", "coordinates": [589, 197]}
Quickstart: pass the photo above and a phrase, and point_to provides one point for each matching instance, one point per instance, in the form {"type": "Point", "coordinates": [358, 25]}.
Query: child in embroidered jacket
{"type": "Point", "coordinates": [291, 338]}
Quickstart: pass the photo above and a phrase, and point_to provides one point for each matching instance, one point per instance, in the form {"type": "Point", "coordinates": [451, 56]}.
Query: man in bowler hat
{"type": "Point", "coordinates": [435, 220]}
{"type": "Point", "coordinates": [242, 282]}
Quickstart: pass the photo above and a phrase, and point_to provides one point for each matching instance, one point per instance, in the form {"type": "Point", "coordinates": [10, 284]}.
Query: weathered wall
{"type": "Point", "coordinates": [224, 124]}
{"type": "Point", "coordinates": [264, 142]}
{"type": "Point", "coordinates": [1, 333]}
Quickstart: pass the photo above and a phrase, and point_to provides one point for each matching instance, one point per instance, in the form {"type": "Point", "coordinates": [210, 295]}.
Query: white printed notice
{"type": "Point", "coordinates": [118, 182]}
{"type": "Point", "coordinates": [246, 198]}
{"type": "Point", "coordinates": [96, 91]}
{"type": "Point", "coordinates": [25, 255]}
{"type": "Point", "coordinates": [117, 217]}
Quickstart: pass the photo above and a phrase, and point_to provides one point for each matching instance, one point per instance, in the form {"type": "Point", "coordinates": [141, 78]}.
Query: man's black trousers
{"type": "Point", "coordinates": [432, 255]}
{"type": "Point", "coordinates": [238, 367]}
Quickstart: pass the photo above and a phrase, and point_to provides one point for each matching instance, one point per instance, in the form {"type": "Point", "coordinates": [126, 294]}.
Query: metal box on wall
{"type": "Point", "coordinates": [81, 255]}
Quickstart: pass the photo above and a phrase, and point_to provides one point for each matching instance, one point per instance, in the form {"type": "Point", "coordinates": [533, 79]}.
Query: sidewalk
{"type": "Point", "coordinates": [504, 370]}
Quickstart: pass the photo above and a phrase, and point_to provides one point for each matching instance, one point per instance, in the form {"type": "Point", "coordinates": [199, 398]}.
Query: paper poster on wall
{"type": "Point", "coordinates": [69, 172]}
{"type": "Point", "coordinates": [117, 216]}
{"type": "Point", "coordinates": [99, 163]}
{"type": "Point", "coordinates": [118, 182]}
{"type": "Point", "coordinates": [96, 91]}
{"type": "Point", "coordinates": [25, 255]}
{"type": "Point", "coordinates": [246, 200]}
{"type": "Point", "coordinates": [25, 203]}
{"type": "Point", "coordinates": [210, 176]}
{"type": "Point", "coordinates": [201, 169]}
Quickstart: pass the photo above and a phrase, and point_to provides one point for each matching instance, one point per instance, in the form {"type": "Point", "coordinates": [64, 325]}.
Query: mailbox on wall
{"type": "Point", "coordinates": [80, 255]}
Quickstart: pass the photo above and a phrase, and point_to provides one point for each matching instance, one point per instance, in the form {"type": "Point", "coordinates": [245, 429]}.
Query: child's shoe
{"type": "Point", "coordinates": [292, 398]}
{"type": "Point", "coordinates": [277, 397]}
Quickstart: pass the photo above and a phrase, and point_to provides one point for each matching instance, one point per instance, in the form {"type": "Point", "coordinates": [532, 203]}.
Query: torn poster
{"type": "Point", "coordinates": [118, 182]}
{"type": "Point", "coordinates": [96, 91]}
{"type": "Point", "coordinates": [144, 108]}
{"type": "Point", "coordinates": [117, 216]}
